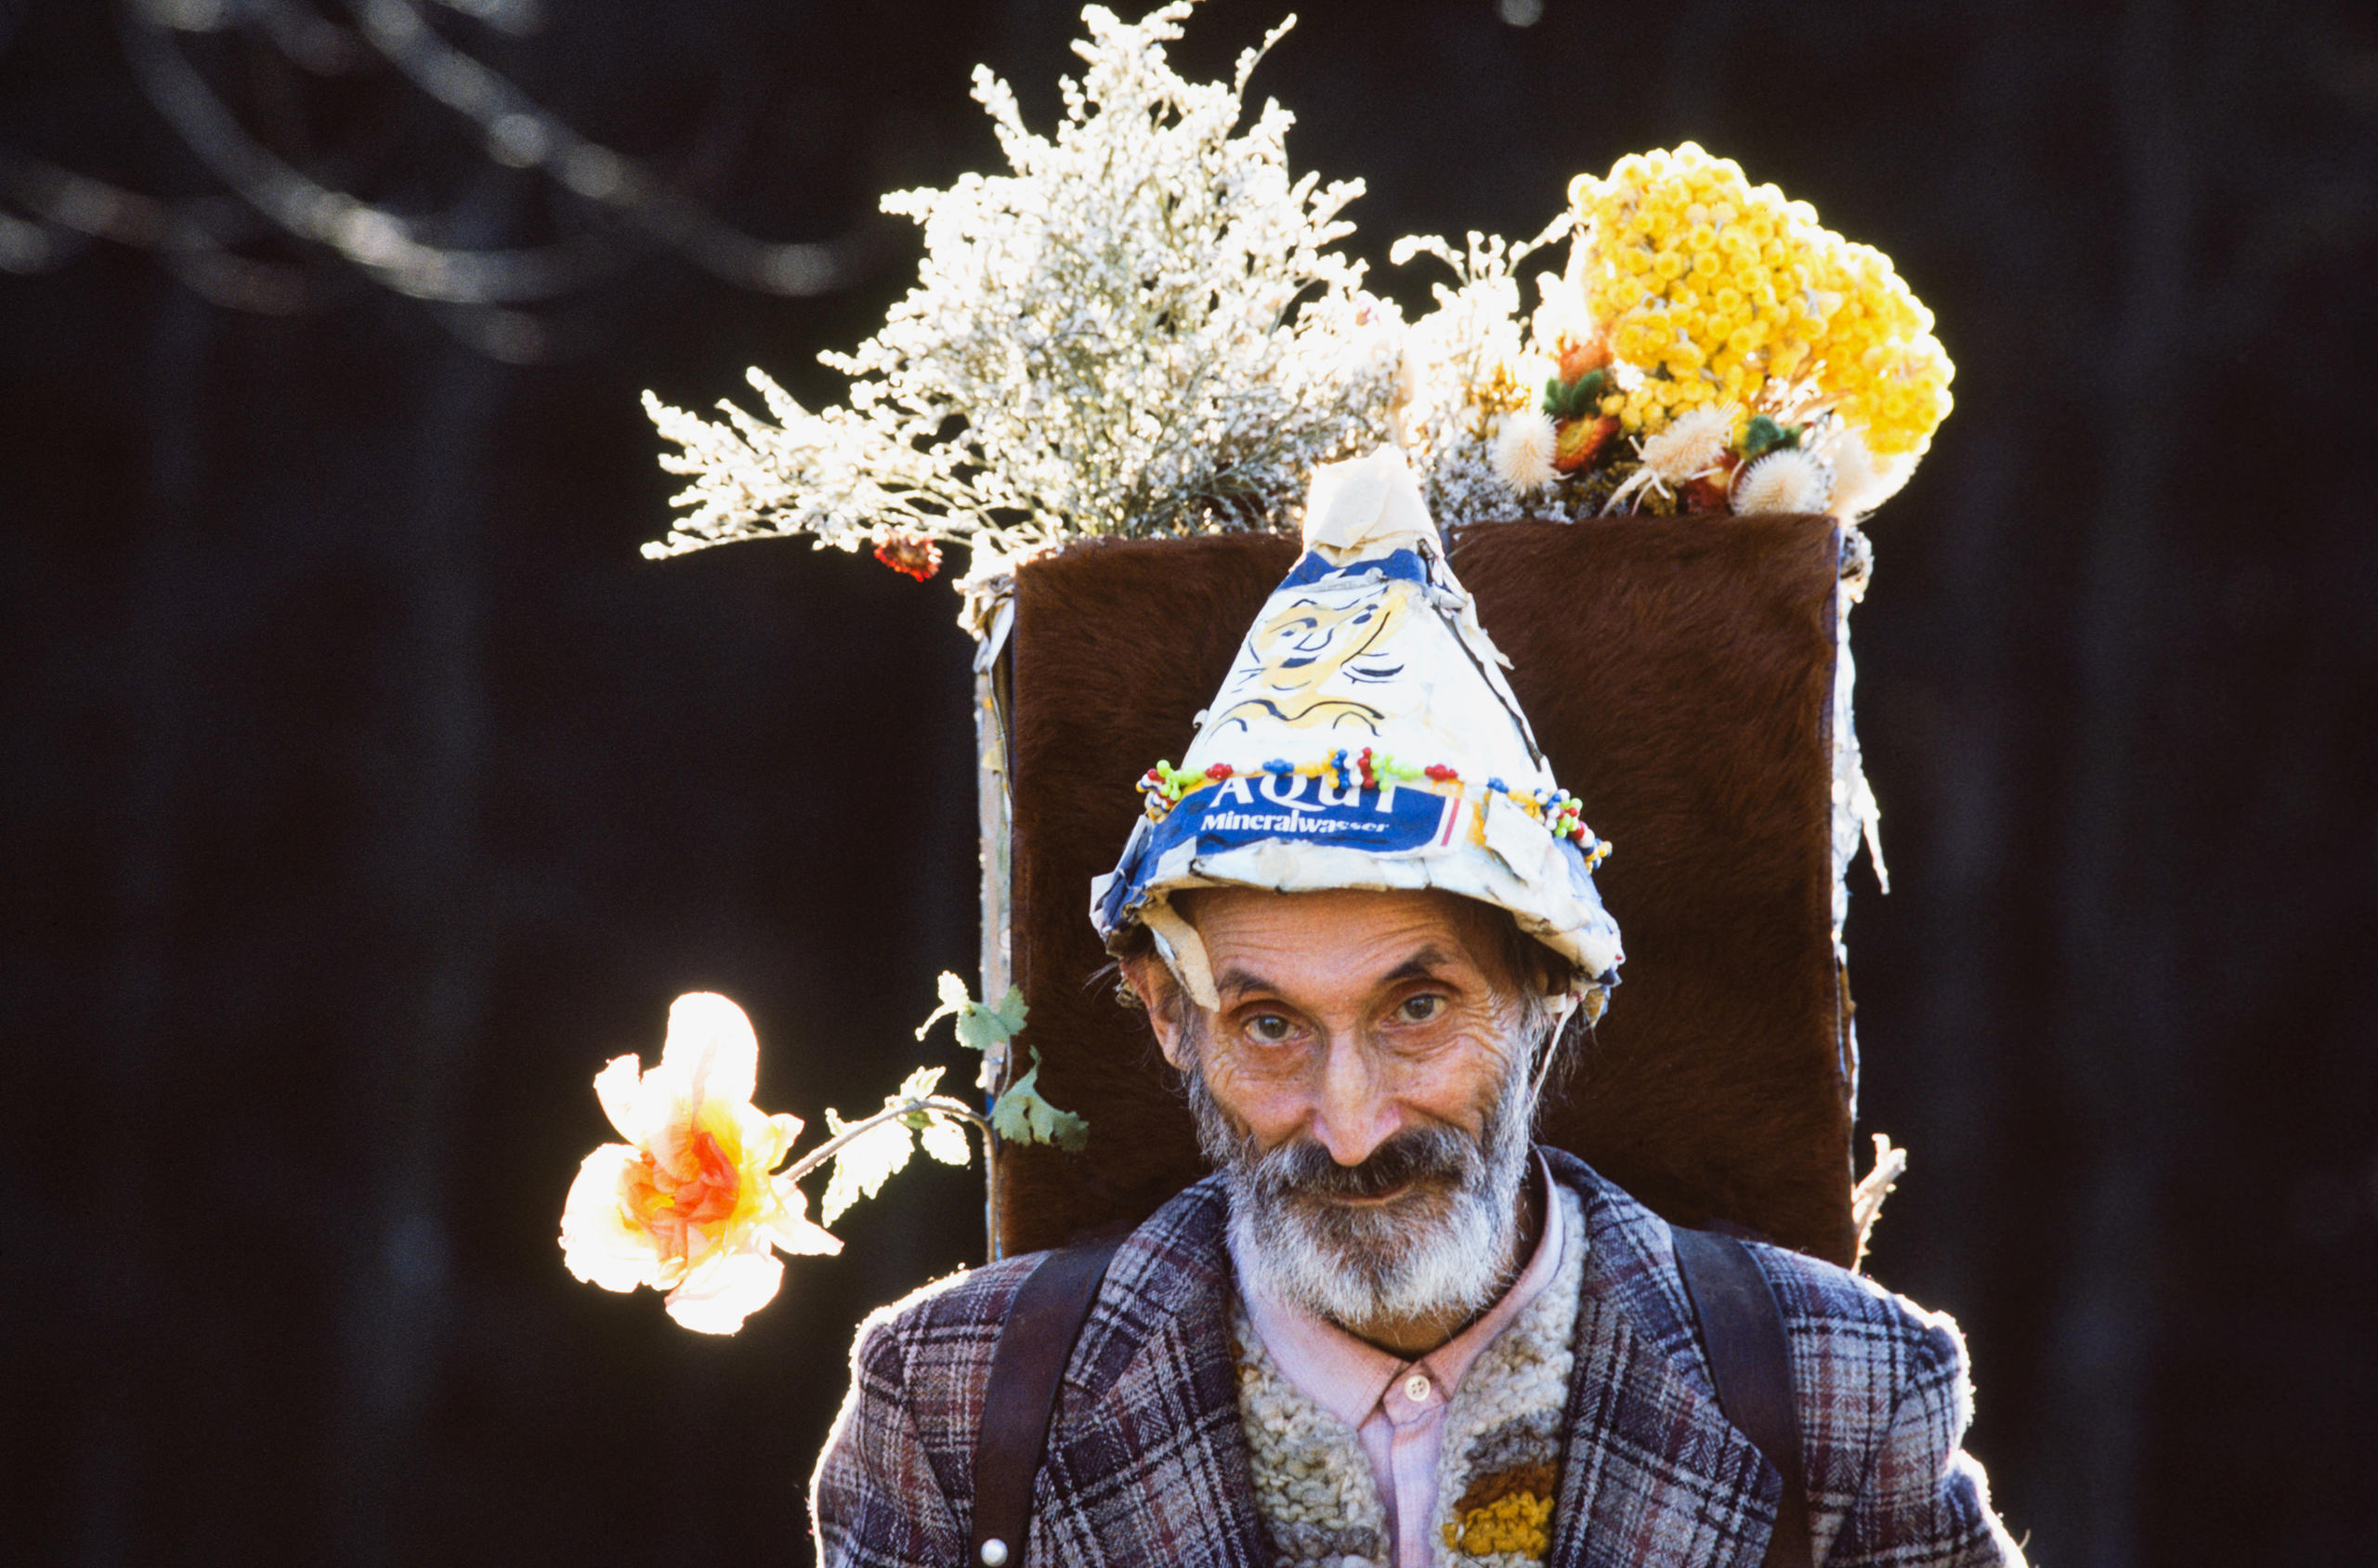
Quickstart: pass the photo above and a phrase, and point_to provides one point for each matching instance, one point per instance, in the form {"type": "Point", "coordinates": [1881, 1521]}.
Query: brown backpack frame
{"type": "Point", "coordinates": [1679, 675]}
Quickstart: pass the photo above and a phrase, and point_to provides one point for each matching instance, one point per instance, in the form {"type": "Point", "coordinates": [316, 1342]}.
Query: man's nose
{"type": "Point", "coordinates": [1353, 1114]}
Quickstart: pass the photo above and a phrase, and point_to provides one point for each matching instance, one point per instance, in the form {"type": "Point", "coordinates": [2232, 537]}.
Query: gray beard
{"type": "Point", "coordinates": [1443, 1250]}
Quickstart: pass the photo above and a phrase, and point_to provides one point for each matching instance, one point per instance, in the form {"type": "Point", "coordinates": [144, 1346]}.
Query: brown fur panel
{"type": "Point", "coordinates": [1679, 674]}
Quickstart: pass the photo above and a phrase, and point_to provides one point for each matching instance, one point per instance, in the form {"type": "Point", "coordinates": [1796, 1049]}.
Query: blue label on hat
{"type": "Point", "coordinates": [1240, 810]}
{"type": "Point", "coordinates": [1403, 566]}
{"type": "Point", "coordinates": [1298, 808]}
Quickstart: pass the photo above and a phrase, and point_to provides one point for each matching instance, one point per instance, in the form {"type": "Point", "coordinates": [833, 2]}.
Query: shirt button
{"type": "Point", "coordinates": [1416, 1387]}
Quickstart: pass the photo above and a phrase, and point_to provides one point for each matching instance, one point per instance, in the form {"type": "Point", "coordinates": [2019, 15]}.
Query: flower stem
{"type": "Point", "coordinates": [939, 1104]}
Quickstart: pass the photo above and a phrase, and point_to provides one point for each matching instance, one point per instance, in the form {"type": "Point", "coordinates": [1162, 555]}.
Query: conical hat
{"type": "Point", "coordinates": [1365, 739]}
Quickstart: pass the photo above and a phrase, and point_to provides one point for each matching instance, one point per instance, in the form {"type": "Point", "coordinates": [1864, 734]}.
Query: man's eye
{"type": "Point", "coordinates": [1420, 1009]}
{"type": "Point", "coordinates": [1270, 1027]}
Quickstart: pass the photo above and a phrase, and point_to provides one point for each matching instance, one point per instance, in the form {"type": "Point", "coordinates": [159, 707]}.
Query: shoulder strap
{"type": "Point", "coordinates": [1020, 1395]}
{"type": "Point", "coordinates": [1751, 1363]}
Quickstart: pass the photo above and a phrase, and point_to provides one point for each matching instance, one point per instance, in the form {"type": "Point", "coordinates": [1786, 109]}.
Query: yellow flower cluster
{"type": "Point", "coordinates": [1879, 363]}
{"type": "Point", "coordinates": [1715, 292]}
{"type": "Point", "coordinates": [1519, 1522]}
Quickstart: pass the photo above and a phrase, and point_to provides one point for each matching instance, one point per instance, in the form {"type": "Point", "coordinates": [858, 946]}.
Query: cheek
{"type": "Point", "coordinates": [1457, 1084]}
{"type": "Point", "coordinates": [1268, 1105]}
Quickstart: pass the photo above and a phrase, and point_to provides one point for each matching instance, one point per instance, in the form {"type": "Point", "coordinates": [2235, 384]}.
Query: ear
{"type": "Point", "coordinates": [1151, 980]}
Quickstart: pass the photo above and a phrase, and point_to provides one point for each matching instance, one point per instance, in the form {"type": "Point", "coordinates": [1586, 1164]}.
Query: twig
{"type": "Point", "coordinates": [939, 1104]}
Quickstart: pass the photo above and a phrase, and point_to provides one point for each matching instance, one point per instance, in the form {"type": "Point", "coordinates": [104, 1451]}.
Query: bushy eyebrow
{"type": "Point", "coordinates": [1235, 982]}
{"type": "Point", "coordinates": [1423, 965]}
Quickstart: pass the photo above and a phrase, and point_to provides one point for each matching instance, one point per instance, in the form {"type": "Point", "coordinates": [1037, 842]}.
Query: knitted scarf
{"type": "Point", "coordinates": [1499, 1463]}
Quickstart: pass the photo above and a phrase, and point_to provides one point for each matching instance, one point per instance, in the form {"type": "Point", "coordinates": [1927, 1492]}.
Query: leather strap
{"type": "Point", "coordinates": [1751, 1363]}
{"type": "Point", "coordinates": [1020, 1395]}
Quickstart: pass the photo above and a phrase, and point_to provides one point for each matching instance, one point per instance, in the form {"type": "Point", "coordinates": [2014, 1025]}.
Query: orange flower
{"type": "Point", "coordinates": [689, 1203]}
{"type": "Point", "coordinates": [1581, 441]}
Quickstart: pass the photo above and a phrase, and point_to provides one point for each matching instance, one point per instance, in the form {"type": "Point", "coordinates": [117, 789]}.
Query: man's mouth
{"type": "Point", "coordinates": [1369, 1200]}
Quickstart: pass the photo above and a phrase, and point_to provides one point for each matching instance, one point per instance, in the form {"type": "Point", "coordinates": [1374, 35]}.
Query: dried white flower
{"type": "Point", "coordinates": [1523, 450]}
{"type": "Point", "coordinates": [1784, 480]}
{"type": "Point", "coordinates": [1861, 480]}
{"type": "Point", "coordinates": [1139, 330]}
{"type": "Point", "coordinates": [1562, 314]}
{"type": "Point", "coordinates": [1471, 369]}
{"type": "Point", "coordinates": [1690, 448]}
{"type": "Point", "coordinates": [1685, 450]}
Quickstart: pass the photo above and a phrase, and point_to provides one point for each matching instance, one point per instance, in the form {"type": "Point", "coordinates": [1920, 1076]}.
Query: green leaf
{"type": "Point", "coordinates": [952, 991]}
{"type": "Point", "coordinates": [1764, 435]}
{"type": "Point", "coordinates": [917, 1085]}
{"type": "Point", "coordinates": [874, 1157]}
{"type": "Point", "coordinates": [979, 1028]}
{"type": "Point", "coordinates": [945, 1141]}
{"type": "Point", "coordinates": [1021, 1116]}
{"type": "Point", "coordinates": [864, 1165]}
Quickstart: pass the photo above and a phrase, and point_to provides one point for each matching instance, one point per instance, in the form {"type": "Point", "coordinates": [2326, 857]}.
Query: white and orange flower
{"type": "Point", "coordinates": [692, 1203]}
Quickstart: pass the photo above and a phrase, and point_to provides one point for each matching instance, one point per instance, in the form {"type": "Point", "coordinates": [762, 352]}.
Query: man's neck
{"type": "Point", "coordinates": [1412, 1338]}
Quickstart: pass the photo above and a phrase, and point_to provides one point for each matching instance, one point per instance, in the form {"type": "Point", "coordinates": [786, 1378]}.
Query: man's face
{"type": "Point", "coordinates": [1364, 1088]}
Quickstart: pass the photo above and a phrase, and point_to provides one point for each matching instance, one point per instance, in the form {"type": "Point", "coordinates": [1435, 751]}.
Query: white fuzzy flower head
{"type": "Point", "coordinates": [1523, 450]}
{"type": "Point", "coordinates": [1861, 480]}
{"type": "Point", "coordinates": [1784, 480]}
{"type": "Point", "coordinates": [1690, 447]}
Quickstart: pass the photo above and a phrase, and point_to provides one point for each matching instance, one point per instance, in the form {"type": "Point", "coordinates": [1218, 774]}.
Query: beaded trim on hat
{"type": "Point", "coordinates": [1498, 1465]}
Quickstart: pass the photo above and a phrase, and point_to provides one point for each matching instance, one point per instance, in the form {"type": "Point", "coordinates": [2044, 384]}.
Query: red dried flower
{"type": "Point", "coordinates": [910, 554]}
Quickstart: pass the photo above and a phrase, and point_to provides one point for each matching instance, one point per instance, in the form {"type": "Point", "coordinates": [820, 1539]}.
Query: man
{"type": "Point", "coordinates": [1387, 1330]}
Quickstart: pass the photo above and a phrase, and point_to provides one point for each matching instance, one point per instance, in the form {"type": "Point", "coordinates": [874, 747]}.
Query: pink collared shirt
{"type": "Point", "coordinates": [1397, 1407]}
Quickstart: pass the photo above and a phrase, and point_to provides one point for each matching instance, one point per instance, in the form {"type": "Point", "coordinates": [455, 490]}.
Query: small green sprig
{"type": "Point", "coordinates": [1574, 400]}
{"type": "Point", "coordinates": [1020, 1115]}
{"type": "Point", "coordinates": [1764, 435]}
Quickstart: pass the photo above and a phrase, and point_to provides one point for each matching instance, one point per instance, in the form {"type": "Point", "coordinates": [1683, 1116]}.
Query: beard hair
{"type": "Point", "coordinates": [1443, 1250]}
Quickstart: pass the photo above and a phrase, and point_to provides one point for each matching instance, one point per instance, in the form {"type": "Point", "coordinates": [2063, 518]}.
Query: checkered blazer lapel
{"type": "Point", "coordinates": [1654, 1473]}
{"type": "Point", "coordinates": [1146, 1461]}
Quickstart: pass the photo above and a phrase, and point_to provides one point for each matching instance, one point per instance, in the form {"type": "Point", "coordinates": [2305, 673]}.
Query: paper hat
{"type": "Point", "coordinates": [1365, 739]}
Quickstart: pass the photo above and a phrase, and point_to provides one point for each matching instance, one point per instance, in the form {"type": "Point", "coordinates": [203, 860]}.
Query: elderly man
{"type": "Point", "coordinates": [1388, 1331]}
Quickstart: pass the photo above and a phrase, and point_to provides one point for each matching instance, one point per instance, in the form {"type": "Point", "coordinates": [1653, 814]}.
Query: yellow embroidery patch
{"type": "Point", "coordinates": [1519, 1522]}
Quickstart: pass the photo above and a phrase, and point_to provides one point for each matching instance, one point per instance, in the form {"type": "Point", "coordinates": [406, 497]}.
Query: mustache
{"type": "Point", "coordinates": [1417, 1155]}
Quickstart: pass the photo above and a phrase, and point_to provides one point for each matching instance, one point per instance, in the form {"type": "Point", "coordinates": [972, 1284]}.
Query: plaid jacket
{"type": "Point", "coordinates": [1146, 1464]}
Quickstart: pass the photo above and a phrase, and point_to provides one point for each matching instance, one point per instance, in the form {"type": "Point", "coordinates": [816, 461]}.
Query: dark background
{"type": "Point", "coordinates": [366, 792]}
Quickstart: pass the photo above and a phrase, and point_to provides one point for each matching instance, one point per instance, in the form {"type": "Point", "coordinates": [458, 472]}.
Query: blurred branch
{"type": "Point", "coordinates": [396, 250]}
{"type": "Point", "coordinates": [522, 134]}
{"type": "Point", "coordinates": [184, 236]}
{"type": "Point", "coordinates": [381, 242]}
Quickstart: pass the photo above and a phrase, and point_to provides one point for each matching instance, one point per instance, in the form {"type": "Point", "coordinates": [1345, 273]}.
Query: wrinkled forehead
{"type": "Point", "coordinates": [1351, 925]}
